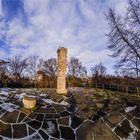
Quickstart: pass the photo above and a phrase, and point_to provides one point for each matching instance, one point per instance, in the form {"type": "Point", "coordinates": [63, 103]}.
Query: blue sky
{"type": "Point", "coordinates": [41, 26]}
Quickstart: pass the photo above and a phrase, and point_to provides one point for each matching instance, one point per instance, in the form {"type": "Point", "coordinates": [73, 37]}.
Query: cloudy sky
{"type": "Point", "coordinates": [41, 26]}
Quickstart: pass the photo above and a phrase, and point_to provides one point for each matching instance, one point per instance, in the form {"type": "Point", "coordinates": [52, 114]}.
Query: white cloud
{"type": "Point", "coordinates": [78, 25]}
{"type": "Point", "coordinates": [2, 53]}
{"type": "Point", "coordinates": [118, 5]}
{"type": "Point", "coordinates": [93, 56]}
{"type": "Point", "coordinates": [1, 13]}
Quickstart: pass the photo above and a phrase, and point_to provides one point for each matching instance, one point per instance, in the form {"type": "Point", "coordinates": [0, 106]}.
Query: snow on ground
{"type": "Point", "coordinates": [132, 135]}
{"type": "Point", "coordinates": [43, 94]}
{"type": "Point", "coordinates": [49, 101]}
{"type": "Point", "coordinates": [8, 106]}
{"type": "Point", "coordinates": [64, 103]}
{"type": "Point", "coordinates": [130, 108]}
{"type": "Point", "coordinates": [51, 128]}
{"type": "Point", "coordinates": [4, 91]}
{"type": "Point", "coordinates": [64, 97]}
{"type": "Point", "coordinates": [3, 99]}
{"type": "Point", "coordinates": [22, 95]}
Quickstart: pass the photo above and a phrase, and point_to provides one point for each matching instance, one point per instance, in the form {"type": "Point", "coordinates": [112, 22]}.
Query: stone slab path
{"type": "Point", "coordinates": [60, 120]}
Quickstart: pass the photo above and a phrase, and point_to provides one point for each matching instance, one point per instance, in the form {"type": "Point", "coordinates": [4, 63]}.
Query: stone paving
{"type": "Point", "coordinates": [51, 119]}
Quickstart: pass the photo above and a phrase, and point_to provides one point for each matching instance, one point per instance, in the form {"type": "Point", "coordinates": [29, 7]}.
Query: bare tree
{"type": "Point", "coordinates": [97, 71]}
{"type": "Point", "coordinates": [76, 72]}
{"type": "Point", "coordinates": [3, 65]}
{"type": "Point", "coordinates": [40, 65]}
{"type": "Point", "coordinates": [75, 68]}
{"type": "Point", "coordinates": [33, 66]}
{"type": "Point", "coordinates": [50, 67]}
{"type": "Point", "coordinates": [17, 66]}
{"type": "Point", "coordinates": [124, 37]}
{"type": "Point", "coordinates": [3, 71]}
{"type": "Point", "coordinates": [50, 70]}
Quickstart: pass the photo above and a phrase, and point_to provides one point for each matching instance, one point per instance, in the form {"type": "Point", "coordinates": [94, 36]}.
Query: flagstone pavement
{"type": "Point", "coordinates": [63, 119]}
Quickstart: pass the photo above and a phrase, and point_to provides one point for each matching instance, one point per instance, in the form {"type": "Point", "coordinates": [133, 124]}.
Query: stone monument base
{"type": "Point", "coordinates": [61, 91]}
{"type": "Point", "coordinates": [29, 102]}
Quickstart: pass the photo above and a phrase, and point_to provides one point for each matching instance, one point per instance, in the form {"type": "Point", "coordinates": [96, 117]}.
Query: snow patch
{"type": "Point", "coordinates": [3, 98]}
{"type": "Point", "coordinates": [64, 97]}
{"type": "Point", "coordinates": [49, 101]}
{"type": "Point", "coordinates": [4, 91]}
{"type": "Point", "coordinates": [51, 128]}
{"type": "Point", "coordinates": [64, 103]}
{"type": "Point", "coordinates": [43, 106]}
{"type": "Point", "coordinates": [22, 95]}
{"type": "Point", "coordinates": [43, 94]}
{"type": "Point", "coordinates": [130, 108]}
{"type": "Point", "coordinates": [132, 135]}
{"type": "Point", "coordinates": [9, 107]}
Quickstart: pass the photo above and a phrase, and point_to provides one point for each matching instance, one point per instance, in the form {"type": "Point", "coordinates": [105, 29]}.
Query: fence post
{"type": "Point", "coordinates": [137, 91]}
{"type": "Point", "coordinates": [117, 88]}
{"type": "Point", "coordinates": [126, 89]}
{"type": "Point", "coordinates": [96, 85]}
{"type": "Point", "coordinates": [110, 86]}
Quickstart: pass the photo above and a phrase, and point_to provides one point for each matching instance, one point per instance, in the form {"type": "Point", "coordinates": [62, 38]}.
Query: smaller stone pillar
{"type": "Point", "coordinates": [61, 73]}
{"type": "Point", "coordinates": [29, 102]}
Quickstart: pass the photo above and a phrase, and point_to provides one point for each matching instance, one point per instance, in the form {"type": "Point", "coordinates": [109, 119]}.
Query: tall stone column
{"type": "Point", "coordinates": [61, 73]}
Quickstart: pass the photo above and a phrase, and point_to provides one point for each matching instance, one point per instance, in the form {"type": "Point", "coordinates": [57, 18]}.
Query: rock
{"type": "Point", "coordinates": [136, 122]}
{"type": "Point", "coordinates": [114, 107]}
{"type": "Point", "coordinates": [85, 109]}
{"type": "Point", "coordinates": [100, 104]}
{"type": "Point", "coordinates": [123, 129]}
{"type": "Point", "coordinates": [17, 133]}
{"type": "Point", "coordinates": [95, 117]}
{"type": "Point", "coordinates": [102, 132]}
{"type": "Point", "coordinates": [113, 119]}
{"type": "Point", "coordinates": [75, 121]}
{"type": "Point", "coordinates": [63, 121]}
{"type": "Point", "coordinates": [136, 112]}
{"type": "Point", "coordinates": [64, 114]}
{"type": "Point", "coordinates": [85, 131]}
{"type": "Point", "coordinates": [138, 135]}
{"type": "Point", "coordinates": [51, 127]}
{"type": "Point", "coordinates": [99, 101]}
{"type": "Point", "coordinates": [34, 124]}
{"type": "Point", "coordinates": [128, 115]}
{"type": "Point", "coordinates": [30, 130]}
{"type": "Point", "coordinates": [40, 117]}
{"type": "Point", "coordinates": [97, 131]}
{"type": "Point", "coordinates": [5, 130]}
{"type": "Point", "coordinates": [10, 117]}
{"type": "Point", "coordinates": [67, 133]}
{"type": "Point", "coordinates": [43, 134]}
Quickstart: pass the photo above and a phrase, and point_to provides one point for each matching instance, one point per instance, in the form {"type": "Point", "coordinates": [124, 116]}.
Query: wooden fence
{"type": "Point", "coordinates": [118, 88]}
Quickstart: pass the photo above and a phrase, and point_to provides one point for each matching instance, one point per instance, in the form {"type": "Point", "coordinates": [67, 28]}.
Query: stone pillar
{"type": "Point", "coordinates": [61, 73]}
